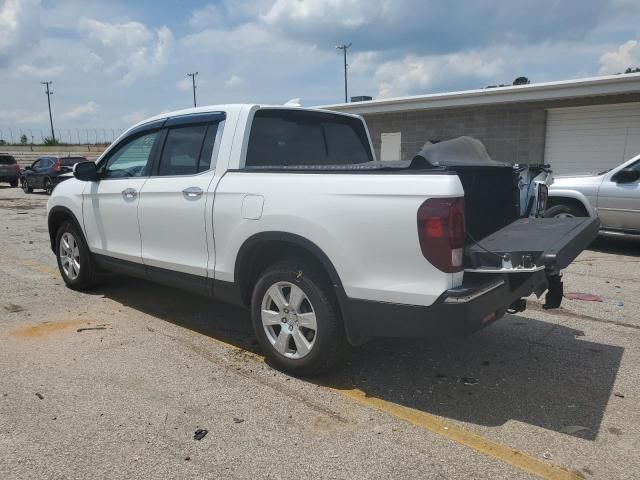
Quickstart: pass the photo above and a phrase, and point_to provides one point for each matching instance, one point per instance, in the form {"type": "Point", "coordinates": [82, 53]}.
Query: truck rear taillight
{"type": "Point", "coordinates": [441, 232]}
{"type": "Point", "coordinates": [16, 167]}
{"type": "Point", "coordinates": [57, 166]}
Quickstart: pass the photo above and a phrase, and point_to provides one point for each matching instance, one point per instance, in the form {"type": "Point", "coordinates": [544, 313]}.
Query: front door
{"type": "Point", "coordinates": [619, 203]}
{"type": "Point", "coordinates": [110, 206]}
{"type": "Point", "coordinates": [174, 227]}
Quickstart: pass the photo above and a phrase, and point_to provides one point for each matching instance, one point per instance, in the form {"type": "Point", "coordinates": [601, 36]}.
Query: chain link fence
{"type": "Point", "coordinates": [64, 136]}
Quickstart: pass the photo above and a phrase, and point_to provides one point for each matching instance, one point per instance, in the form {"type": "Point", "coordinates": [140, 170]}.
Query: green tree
{"type": "Point", "coordinates": [49, 141]}
{"type": "Point", "coordinates": [521, 81]}
{"type": "Point", "coordinates": [23, 139]}
{"type": "Point", "coordinates": [632, 70]}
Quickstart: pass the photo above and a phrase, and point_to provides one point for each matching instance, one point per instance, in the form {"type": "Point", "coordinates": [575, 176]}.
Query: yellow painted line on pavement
{"type": "Point", "coordinates": [435, 424]}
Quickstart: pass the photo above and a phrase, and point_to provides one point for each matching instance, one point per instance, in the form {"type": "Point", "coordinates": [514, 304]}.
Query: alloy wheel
{"type": "Point", "coordinates": [289, 320]}
{"type": "Point", "coordinates": [69, 256]}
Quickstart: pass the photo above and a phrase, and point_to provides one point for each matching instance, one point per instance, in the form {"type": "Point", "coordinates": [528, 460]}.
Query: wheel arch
{"type": "Point", "coordinates": [264, 248]}
{"type": "Point", "coordinates": [570, 197]}
{"type": "Point", "coordinates": [57, 216]}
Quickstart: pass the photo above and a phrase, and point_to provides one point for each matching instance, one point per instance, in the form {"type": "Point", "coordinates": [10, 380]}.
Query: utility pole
{"type": "Point", "coordinates": [344, 48]}
{"type": "Point", "coordinates": [193, 76]}
{"type": "Point", "coordinates": [49, 93]}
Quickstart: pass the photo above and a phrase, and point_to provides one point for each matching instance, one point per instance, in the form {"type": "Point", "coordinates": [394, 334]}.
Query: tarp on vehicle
{"type": "Point", "coordinates": [457, 152]}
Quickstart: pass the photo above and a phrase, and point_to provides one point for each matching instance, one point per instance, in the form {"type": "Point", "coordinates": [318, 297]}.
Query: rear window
{"type": "Point", "coordinates": [282, 137]}
{"type": "Point", "coordinates": [7, 160]}
{"type": "Point", "coordinates": [71, 161]}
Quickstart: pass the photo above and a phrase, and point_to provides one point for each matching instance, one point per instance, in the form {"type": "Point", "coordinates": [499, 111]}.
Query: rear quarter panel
{"type": "Point", "coordinates": [365, 223]}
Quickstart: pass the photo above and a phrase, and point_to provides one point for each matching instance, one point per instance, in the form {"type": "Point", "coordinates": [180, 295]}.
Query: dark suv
{"type": "Point", "coordinates": [9, 170]}
{"type": "Point", "coordinates": [46, 172]}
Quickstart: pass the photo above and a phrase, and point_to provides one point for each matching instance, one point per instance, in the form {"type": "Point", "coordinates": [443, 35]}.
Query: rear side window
{"type": "Point", "coordinates": [187, 150]}
{"type": "Point", "coordinates": [71, 161]}
{"type": "Point", "coordinates": [282, 137]}
{"type": "Point", "coordinates": [7, 160]}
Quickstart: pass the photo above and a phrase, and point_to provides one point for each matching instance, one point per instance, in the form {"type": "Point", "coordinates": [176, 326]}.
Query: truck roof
{"type": "Point", "coordinates": [233, 107]}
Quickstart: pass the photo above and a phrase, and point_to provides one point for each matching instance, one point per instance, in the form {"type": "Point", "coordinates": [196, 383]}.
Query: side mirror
{"type": "Point", "coordinates": [626, 175]}
{"type": "Point", "coordinates": [28, 167]}
{"type": "Point", "coordinates": [86, 171]}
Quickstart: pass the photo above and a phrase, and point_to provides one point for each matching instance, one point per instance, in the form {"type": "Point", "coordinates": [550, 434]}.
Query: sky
{"type": "Point", "coordinates": [114, 63]}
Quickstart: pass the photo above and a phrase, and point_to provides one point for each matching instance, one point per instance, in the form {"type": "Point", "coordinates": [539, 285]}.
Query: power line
{"type": "Point", "coordinates": [193, 76]}
{"type": "Point", "coordinates": [49, 93]}
{"type": "Point", "coordinates": [344, 48]}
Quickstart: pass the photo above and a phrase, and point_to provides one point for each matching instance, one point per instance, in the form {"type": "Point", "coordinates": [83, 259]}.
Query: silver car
{"type": "Point", "coordinates": [613, 195]}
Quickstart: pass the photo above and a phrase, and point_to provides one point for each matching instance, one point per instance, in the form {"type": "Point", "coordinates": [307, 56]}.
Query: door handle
{"type": "Point", "coordinates": [192, 192]}
{"type": "Point", "coordinates": [129, 193]}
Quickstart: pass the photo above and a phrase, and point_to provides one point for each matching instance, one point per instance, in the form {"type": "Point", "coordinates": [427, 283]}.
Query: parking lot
{"type": "Point", "coordinates": [113, 383]}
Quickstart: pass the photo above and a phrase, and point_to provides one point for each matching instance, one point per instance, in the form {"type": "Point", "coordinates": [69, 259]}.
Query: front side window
{"type": "Point", "coordinates": [281, 137]}
{"type": "Point", "coordinates": [130, 160]}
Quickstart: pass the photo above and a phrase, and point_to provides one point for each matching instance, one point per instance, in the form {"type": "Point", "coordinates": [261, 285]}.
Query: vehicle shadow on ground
{"type": "Point", "coordinates": [616, 246]}
{"type": "Point", "coordinates": [522, 369]}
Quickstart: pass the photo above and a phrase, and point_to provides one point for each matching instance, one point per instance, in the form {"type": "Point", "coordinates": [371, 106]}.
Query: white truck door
{"type": "Point", "coordinates": [110, 206]}
{"type": "Point", "coordinates": [619, 202]}
{"type": "Point", "coordinates": [173, 202]}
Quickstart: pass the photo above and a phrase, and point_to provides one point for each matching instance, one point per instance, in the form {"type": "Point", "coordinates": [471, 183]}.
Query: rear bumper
{"type": "Point", "coordinates": [481, 300]}
{"type": "Point", "coordinates": [9, 177]}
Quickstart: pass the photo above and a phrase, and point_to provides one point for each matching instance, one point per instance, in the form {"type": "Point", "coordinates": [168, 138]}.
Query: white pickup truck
{"type": "Point", "coordinates": [287, 212]}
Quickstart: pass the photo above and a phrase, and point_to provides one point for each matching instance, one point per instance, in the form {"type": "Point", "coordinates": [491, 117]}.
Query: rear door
{"type": "Point", "coordinates": [41, 171]}
{"type": "Point", "coordinates": [30, 175]}
{"type": "Point", "coordinates": [619, 203]}
{"type": "Point", "coordinates": [173, 225]}
{"type": "Point", "coordinates": [110, 206]}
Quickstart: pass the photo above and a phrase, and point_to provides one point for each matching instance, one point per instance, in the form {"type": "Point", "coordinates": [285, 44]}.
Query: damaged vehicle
{"type": "Point", "coordinates": [286, 212]}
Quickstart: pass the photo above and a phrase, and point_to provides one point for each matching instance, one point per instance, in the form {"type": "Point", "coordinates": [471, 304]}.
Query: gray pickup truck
{"type": "Point", "coordinates": [613, 195]}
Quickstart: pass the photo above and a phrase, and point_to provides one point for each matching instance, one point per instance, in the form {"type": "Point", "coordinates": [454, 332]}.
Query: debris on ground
{"type": "Point", "coordinates": [39, 395]}
{"type": "Point", "coordinates": [585, 297]}
{"type": "Point", "coordinates": [238, 420]}
{"type": "Point", "coordinates": [618, 394]}
{"type": "Point", "coordinates": [620, 303]}
{"type": "Point", "coordinates": [547, 455]}
{"type": "Point", "coordinates": [573, 429]}
{"type": "Point", "coordinates": [200, 433]}
{"type": "Point", "coordinates": [469, 381]}
{"type": "Point", "coordinates": [13, 308]}
{"type": "Point", "coordinates": [98, 327]}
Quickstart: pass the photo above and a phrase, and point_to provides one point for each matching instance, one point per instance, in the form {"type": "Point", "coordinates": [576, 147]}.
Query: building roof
{"type": "Point", "coordinates": [581, 87]}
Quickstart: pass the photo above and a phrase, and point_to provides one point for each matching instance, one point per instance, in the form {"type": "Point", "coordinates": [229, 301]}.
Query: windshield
{"type": "Point", "coordinates": [7, 160]}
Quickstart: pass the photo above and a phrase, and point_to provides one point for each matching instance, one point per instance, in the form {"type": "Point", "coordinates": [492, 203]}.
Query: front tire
{"type": "Point", "coordinates": [295, 319]}
{"type": "Point", "coordinates": [74, 259]}
{"type": "Point", "coordinates": [563, 211]}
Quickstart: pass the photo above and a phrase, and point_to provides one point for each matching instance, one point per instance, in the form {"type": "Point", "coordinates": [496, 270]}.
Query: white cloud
{"type": "Point", "coordinates": [618, 60]}
{"type": "Point", "coordinates": [80, 111]}
{"type": "Point", "coordinates": [184, 84]}
{"type": "Point", "coordinates": [19, 28]}
{"type": "Point", "coordinates": [134, 117]}
{"type": "Point", "coordinates": [128, 49]}
{"type": "Point", "coordinates": [40, 72]}
{"type": "Point", "coordinates": [208, 16]}
{"type": "Point", "coordinates": [418, 74]}
{"type": "Point", "coordinates": [23, 117]}
{"type": "Point", "coordinates": [233, 81]}
{"type": "Point", "coordinates": [344, 13]}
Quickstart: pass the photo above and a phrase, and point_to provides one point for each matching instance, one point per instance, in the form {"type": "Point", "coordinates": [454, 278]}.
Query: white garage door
{"type": "Point", "coordinates": [588, 139]}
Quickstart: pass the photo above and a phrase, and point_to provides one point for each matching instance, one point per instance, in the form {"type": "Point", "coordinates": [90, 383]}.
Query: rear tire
{"type": "Point", "coordinates": [563, 211]}
{"type": "Point", "coordinates": [296, 320]}
{"type": "Point", "coordinates": [75, 262]}
{"type": "Point", "coordinates": [47, 186]}
{"type": "Point", "coordinates": [25, 186]}
{"type": "Point", "coordinates": [13, 183]}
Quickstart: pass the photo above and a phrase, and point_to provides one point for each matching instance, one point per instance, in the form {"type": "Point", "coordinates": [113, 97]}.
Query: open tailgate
{"type": "Point", "coordinates": [532, 244]}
